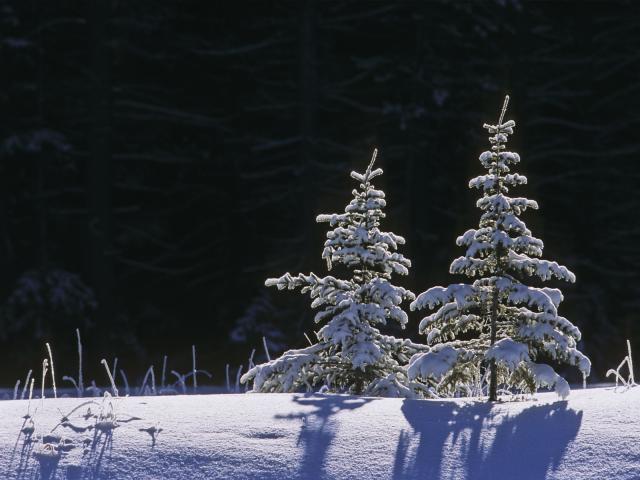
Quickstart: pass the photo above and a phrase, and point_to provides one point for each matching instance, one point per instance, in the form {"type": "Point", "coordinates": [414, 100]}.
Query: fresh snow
{"type": "Point", "coordinates": [593, 435]}
{"type": "Point", "coordinates": [509, 352]}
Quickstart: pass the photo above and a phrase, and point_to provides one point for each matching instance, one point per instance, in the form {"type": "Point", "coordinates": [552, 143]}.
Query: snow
{"type": "Point", "coordinates": [592, 435]}
{"type": "Point", "coordinates": [542, 298]}
{"type": "Point", "coordinates": [467, 237]}
{"type": "Point", "coordinates": [544, 269]}
{"type": "Point", "coordinates": [508, 352]}
{"type": "Point", "coordinates": [433, 364]}
{"type": "Point", "coordinates": [511, 223]}
{"type": "Point", "coordinates": [440, 295]}
{"type": "Point", "coordinates": [545, 376]}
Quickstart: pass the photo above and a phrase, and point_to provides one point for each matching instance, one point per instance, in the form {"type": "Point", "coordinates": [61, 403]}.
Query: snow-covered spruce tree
{"type": "Point", "coordinates": [497, 325]}
{"type": "Point", "coordinates": [351, 354]}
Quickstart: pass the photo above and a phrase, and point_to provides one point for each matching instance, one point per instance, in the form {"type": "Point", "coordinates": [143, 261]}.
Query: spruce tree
{"type": "Point", "coordinates": [350, 353]}
{"type": "Point", "coordinates": [498, 325]}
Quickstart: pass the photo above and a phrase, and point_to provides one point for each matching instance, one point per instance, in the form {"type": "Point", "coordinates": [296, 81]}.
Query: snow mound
{"type": "Point", "coordinates": [508, 352]}
{"type": "Point", "coordinates": [593, 435]}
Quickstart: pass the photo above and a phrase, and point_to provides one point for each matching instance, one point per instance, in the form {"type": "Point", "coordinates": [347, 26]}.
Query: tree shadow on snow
{"type": "Point", "coordinates": [318, 428]}
{"type": "Point", "coordinates": [475, 441]}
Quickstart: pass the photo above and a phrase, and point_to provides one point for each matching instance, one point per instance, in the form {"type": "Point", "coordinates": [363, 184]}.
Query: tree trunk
{"type": "Point", "coordinates": [308, 106]}
{"type": "Point", "coordinates": [308, 81]}
{"type": "Point", "coordinates": [308, 97]}
{"type": "Point", "coordinates": [99, 162]}
{"type": "Point", "coordinates": [493, 378]}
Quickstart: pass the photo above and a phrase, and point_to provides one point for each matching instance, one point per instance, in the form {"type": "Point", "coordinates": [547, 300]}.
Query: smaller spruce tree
{"type": "Point", "coordinates": [497, 325]}
{"type": "Point", "coordinates": [351, 354]}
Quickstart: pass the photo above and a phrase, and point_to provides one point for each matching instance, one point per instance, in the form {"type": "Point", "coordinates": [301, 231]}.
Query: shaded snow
{"type": "Point", "coordinates": [593, 435]}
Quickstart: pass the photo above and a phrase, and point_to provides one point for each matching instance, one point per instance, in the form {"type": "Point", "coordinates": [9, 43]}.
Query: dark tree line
{"type": "Point", "coordinates": [160, 159]}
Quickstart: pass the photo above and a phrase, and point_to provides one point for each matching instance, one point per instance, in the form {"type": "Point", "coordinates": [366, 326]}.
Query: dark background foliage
{"type": "Point", "coordinates": [160, 159]}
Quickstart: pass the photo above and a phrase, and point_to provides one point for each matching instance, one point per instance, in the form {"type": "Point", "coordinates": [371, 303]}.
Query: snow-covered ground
{"type": "Point", "coordinates": [593, 435]}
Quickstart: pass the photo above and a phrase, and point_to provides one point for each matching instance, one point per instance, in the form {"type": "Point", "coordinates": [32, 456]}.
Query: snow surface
{"type": "Point", "coordinates": [593, 435]}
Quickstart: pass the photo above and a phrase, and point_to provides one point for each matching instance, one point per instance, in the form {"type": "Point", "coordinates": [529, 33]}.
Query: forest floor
{"type": "Point", "coordinates": [592, 435]}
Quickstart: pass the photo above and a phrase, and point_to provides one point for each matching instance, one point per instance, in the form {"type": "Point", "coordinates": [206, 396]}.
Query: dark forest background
{"type": "Point", "coordinates": [160, 159]}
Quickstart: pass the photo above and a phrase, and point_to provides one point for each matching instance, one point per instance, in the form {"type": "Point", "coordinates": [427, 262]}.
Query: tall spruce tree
{"type": "Point", "coordinates": [351, 354]}
{"type": "Point", "coordinates": [498, 325]}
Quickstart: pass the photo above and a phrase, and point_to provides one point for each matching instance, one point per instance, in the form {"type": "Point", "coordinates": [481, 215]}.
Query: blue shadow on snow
{"type": "Point", "coordinates": [521, 445]}
{"type": "Point", "coordinates": [318, 428]}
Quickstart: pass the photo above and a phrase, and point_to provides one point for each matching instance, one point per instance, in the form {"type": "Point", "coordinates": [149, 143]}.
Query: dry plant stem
{"type": "Point", "coordinates": [26, 384]}
{"type": "Point", "coordinates": [113, 384]}
{"type": "Point", "coordinates": [153, 381]}
{"type": "Point", "coordinates": [164, 371]}
{"type": "Point", "coordinates": [628, 360]}
{"type": "Point", "coordinates": [631, 375]}
{"type": "Point", "coordinates": [80, 380]}
{"type": "Point", "coordinates": [266, 349]}
{"type": "Point", "coordinates": [238, 379]}
{"type": "Point", "coordinates": [126, 382]}
{"type": "Point", "coordinates": [180, 381]}
{"type": "Point", "coordinates": [53, 373]}
{"type": "Point", "coordinates": [193, 357]}
{"type": "Point", "coordinates": [114, 370]}
{"type": "Point", "coordinates": [45, 367]}
{"type": "Point", "coordinates": [30, 395]}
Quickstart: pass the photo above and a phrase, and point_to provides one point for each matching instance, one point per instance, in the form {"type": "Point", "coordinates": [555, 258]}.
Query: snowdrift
{"type": "Point", "coordinates": [593, 435]}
